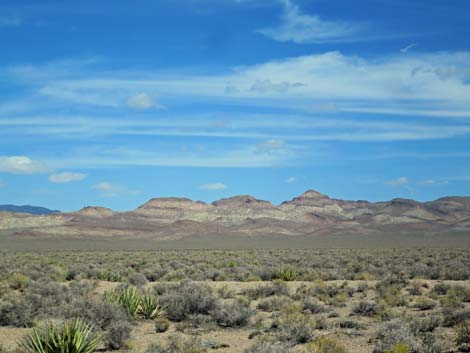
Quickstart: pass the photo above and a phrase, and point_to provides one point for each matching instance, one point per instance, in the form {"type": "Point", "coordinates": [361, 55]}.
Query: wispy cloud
{"type": "Point", "coordinates": [299, 27]}
{"type": "Point", "coordinates": [433, 182]}
{"type": "Point", "coordinates": [143, 101]}
{"type": "Point", "coordinates": [407, 48]}
{"type": "Point", "coordinates": [66, 177]}
{"type": "Point", "coordinates": [291, 180]}
{"type": "Point", "coordinates": [291, 82]}
{"type": "Point", "coordinates": [401, 181]}
{"type": "Point", "coordinates": [108, 189]}
{"type": "Point", "coordinates": [213, 186]}
{"type": "Point", "coordinates": [21, 165]}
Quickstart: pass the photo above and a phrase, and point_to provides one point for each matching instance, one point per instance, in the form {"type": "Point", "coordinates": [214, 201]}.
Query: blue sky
{"type": "Point", "coordinates": [114, 102]}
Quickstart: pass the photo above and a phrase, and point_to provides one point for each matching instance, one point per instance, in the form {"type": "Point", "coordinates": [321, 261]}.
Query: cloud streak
{"type": "Point", "coordinates": [301, 28]}
{"type": "Point", "coordinates": [66, 177]}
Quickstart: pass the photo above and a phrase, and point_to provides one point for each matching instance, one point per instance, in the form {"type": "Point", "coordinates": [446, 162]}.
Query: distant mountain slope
{"type": "Point", "coordinates": [311, 213]}
{"type": "Point", "coordinates": [34, 210]}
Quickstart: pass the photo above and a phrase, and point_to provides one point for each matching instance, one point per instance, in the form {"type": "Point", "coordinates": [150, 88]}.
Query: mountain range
{"type": "Point", "coordinates": [311, 213]}
{"type": "Point", "coordinates": [35, 210]}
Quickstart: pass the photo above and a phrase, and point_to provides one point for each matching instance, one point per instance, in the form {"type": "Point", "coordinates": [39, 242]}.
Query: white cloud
{"type": "Point", "coordinates": [66, 177]}
{"type": "Point", "coordinates": [407, 48]}
{"type": "Point", "coordinates": [13, 21]}
{"type": "Point", "coordinates": [142, 101]}
{"type": "Point", "coordinates": [398, 182]}
{"type": "Point", "coordinates": [21, 165]}
{"type": "Point", "coordinates": [108, 189]}
{"type": "Point", "coordinates": [213, 186]}
{"type": "Point", "coordinates": [298, 27]}
{"type": "Point", "coordinates": [431, 182]}
{"type": "Point", "coordinates": [435, 78]}
{"type": "Point", "coordinates": [291, 180]}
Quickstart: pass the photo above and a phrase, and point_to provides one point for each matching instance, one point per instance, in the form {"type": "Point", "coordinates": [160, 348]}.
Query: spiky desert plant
{"type": "Point", "coordinates": [150, 307]}
{"type": "Point", "coordinates": [72, 337]}
{"type": "Point", "coordinates": [287, 273]}
{"type": "Point", "coordinates": [128, 298]}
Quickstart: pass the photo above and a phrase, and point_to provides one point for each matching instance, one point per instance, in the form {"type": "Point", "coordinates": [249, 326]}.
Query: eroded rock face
{"type": "Point", "coordinates": [309, 213]}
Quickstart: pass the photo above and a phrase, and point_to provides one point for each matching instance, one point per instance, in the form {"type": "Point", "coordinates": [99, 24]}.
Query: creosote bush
{"type": "Point", "coordinates": [179, 344]}
{"type": "Point", "coordinates": [325, 345]}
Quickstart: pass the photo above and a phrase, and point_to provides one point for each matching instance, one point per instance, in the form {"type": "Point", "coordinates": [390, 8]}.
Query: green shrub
{"type": "Point", "coordinates": [365, 308]}
{"type": "Point", "coordinates": [325, 345]}
{"type": "Point", "coordinates": [463, 333]}
{"type": "Point", "coordinates": [72, 337]}
{"type": "Point", "coordinates": [287, 273]}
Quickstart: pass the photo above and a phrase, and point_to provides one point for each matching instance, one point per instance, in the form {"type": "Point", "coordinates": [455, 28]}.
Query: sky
{"type": "Point", "coordinates": [112, 103]}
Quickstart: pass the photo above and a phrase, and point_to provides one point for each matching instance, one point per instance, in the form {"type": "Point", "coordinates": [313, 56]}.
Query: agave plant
{"type": "Point", "coordinates": [287, 273]}
{"type": "Point", "coordinates": [72, 337]}
{"type": "Point", "coordinates": [128, 298]}
{"type": "Point", "coordinates": [150, 308]}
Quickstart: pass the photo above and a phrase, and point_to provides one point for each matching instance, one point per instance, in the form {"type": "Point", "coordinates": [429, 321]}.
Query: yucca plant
{"type": "Point", "coordinates": [150, 308]}
{"type": "Point", "coordinates": [128, 298]}
{"type": "Point", "coordinates": [287, 273]}
{"type": "Point", "coordinates": [72, 337]}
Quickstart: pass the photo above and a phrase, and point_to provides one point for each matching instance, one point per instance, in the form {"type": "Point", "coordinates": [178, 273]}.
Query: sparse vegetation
{"type": "Point", "coordinates": [307, 302]}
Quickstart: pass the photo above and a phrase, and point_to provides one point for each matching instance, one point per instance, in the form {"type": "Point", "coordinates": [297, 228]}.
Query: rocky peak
{"type": "Point", "coordinates": [242, 201]}
{"type": "Point", "coordinates": [161, 203]}
{"type": "Point", "coordinates": [94, 211]}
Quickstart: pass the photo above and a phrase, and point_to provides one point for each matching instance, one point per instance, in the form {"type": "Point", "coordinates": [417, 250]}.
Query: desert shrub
{"type": "Point", "coordinates": [452, 317]}
{"type": "Point", "coordinates": [18, 281]}
{"type": "Point", "coordinates": [82, 288]}
{"type": "Point", "coordinates": [117, 334]}
{"type": "Point", "coordinates": [415, 288]}
{"type": "Point", "coordinates": [365, 309]}
{"type": "Point", "coordinates": [275, 303]}
{"type": "Point", "coordinates": [431, 344]}
{"type": "Point", "coordinates": [16, 312]}
{"type": "Point", "coordinates": [294, 326]}
{"type": "Point", "coordinates": [463, 333]}
{"type": "Point", "coordinates": [137, 279]}
{"type": "Point", "coordinates": [325, 345]}
{"type": "Point", "coordinates": [72, 337]}
{"type": "Point", "coordinates": [320, 322]}
{"type": "Point", "coordinates": [274, 288]}
{"type": "Point", "coordinates": [424, 304]}
{"type": "Point", "coordinates": [225, 293]}
{"type": "Point", "coordinates": [100, 314]}
{"type": "Point", "coordinates": [422, 324]}
{"type": "Point", "coordinates": [231, 314]}
{"type": "Point", "coordinates": [313, 305]}
{"type": "Point", "coordinates": [186, 299]}
{"type": "Point", "coordinates": [263, 346]}
{"type": "Point", "coordinates": [178, 344]}
{"type": "Point", "coordinates": [440, 289]}
{"type": "Point", "coordinates": [350, 324]}
{"type": "Point", "coordinates": [161, 324]}
{"type": "Point", "coordinates": [393, 333]}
